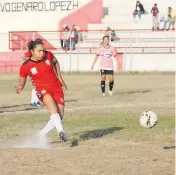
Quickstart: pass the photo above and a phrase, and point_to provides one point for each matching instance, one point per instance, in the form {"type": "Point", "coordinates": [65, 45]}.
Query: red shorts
{"type": "Point", "coordinates": [55, 91]}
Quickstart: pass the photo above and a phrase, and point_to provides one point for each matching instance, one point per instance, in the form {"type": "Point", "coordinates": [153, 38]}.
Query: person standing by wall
{"type": "Point", "coordinates": [74, 37]}
{"type": "Point", "coordinates": [61, 36]}
{"type": "Point", "coordinates": [155, 20]}
{"type": "Point", "coordinates": [66, 39]}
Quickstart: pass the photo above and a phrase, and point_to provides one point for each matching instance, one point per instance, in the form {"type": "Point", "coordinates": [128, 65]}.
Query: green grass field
{"type": "Point", "coordinates": [111, 141]}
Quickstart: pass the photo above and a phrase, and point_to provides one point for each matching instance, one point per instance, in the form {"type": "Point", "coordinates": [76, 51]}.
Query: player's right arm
{"type": "Point", "coordinates": [22, 79]}
{"type": "Point", "coordinates": [20, 85]}
{"type": "Point", "coordinates": [96, 58]}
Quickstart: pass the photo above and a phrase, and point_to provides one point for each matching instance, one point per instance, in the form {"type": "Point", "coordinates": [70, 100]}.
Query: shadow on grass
{"type": "Point", "coordinates": [169, 147]}
{"type": "Point", "coordinates": [14, 106]}
{"type": "Point", "coordinates": [98, 133]}
{"type": "Point", "coordinates": [18, 110]}
{"type": "Point", "coordinates": [87, 135]}
{"type": "Point", "coordinates": [135, 92]}
{"type": "Point", "coordinates": [22, 107]}
{"type": "Point", "coordinates": [27, 105]}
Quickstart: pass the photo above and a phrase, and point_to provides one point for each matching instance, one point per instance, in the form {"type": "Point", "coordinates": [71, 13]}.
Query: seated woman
{"type": "Point", "coordinates": [139, 10]}
{"type": "Point", "coordinates": [170, 19]}
{"type": "Point", "coordinates": [111, 34]}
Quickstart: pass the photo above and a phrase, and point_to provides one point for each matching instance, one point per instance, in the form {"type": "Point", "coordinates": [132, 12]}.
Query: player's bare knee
{"type": "Point", "coordinates": [111, 78]}
{"type": "Point", "coordinates": [103, 78]}
{"type": "Point", "coordinates": [50, 104]}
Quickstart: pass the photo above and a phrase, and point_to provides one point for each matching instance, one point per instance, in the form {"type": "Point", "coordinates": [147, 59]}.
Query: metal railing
{"type": "Point", "coordinates": [89, 41]}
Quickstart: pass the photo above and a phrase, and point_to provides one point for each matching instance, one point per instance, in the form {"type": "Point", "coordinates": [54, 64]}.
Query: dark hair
{"type": "Point", "coordinates": [66, 28]}
{"type": "Point", "coordinates": [155, 4]}
{"type": "Point", "coordinates": [105, 37]}
{"type": "Point", "coordinates": [32, 44]}
{"type": "Point", "coordinates": [170, 8]}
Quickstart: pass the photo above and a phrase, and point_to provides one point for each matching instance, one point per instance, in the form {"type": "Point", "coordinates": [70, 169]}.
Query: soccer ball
{"type": "Point", "coordinates": [148, 119]}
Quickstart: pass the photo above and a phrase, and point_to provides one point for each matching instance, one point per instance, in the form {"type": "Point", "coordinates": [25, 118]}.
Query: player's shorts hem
{"type": "Point", "coordinates": [40, 97]}
{"type": "Point", "coordinates": [63, 104]}
{"type": "Point", "coordinates": [106, 72]}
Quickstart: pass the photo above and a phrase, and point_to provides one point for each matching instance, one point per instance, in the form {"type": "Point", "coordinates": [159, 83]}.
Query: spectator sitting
{"type": "Point", "coordinates": [155, 22]}
{"type": "Point", "coordinates": [66, 39]}
{"type": "Point", "coordinates": [111, 34]}
{"type": "Point", "coordinates": [74, 37]}
{"type": "Point", "coordinates": [139, 10]}
{"type": "Point", "coordinates": [170, 19]}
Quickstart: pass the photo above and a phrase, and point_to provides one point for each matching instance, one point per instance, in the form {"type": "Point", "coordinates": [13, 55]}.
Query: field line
{"type": "Point", "coordinates": [91, 107]}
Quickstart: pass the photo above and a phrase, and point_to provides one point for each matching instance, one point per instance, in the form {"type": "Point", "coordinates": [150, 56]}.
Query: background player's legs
{"type": "Point", "coordinates": [111, 83]}
{"type": "Point", "coordinates": [34, 99]}
{"type": "Point", "coordinates": [103, 80]}
{"type": "Point", "coordinates": [55, 119]}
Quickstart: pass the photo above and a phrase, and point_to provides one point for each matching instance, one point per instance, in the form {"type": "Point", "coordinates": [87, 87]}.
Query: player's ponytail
{"type": "Point", "coordinates": [32, 44]}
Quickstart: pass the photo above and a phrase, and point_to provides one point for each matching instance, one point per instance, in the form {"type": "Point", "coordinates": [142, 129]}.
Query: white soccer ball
{"type": "Point", "coordinates": [148, 119]}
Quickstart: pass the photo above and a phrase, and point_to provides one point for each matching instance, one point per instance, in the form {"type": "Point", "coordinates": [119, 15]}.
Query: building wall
{"type": "Point", "coordinates": [11, 61]}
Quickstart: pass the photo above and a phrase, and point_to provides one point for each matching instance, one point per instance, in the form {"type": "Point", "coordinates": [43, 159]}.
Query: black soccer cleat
{"type": "Point", "coordinates": [63, 136]}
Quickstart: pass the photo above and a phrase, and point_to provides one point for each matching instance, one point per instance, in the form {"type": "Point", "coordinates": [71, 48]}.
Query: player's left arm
{"type": "Point", "coordinates": [58, 72]}
{"type": "Point", "coordinates": [20, 85]}
{"type": "Point", "coordinates": [22, 79]}
{"type": "Point", "coordinates": [115, 56]}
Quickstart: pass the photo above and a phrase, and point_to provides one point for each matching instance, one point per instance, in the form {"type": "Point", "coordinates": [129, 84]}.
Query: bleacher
{"type": "Point", "coordinates": [135, 35]}
{"type": "Point", "coordinates": [138, 43]}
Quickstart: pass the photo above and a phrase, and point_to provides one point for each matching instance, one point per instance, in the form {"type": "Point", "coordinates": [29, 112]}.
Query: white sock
{"type": "Point", "coordinates": [34, 98]}
{"type": "Point", "coordinates": [57, 122]}
{"type": "Point", "coordinates": [47, 128]}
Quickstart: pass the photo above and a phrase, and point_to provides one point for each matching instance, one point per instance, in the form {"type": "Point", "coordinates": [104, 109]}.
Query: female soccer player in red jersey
{"type": "Point", "coordinates": [48, 86]}
{"type": "Point", "coordinates": [27, 55]}
{"type": "Point", "coordinates": [106, 53]}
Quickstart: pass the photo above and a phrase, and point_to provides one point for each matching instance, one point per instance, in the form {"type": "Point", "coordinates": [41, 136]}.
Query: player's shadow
{"type": "Point", "coordinates": [169, 147]}
{"type": "Point", "coordinates": [98, 133]}
{"type": "Point", "coordinates": [23, 107]}
{"type": "Point", "coordinates": [67, 101]}
{"type": "Point", "coordinates": [28, 105]}
{"type": "Point", "coordinates": [14, 106]}
{"type": "Point", "coordinates": [18, 110]}
{"type": "Point", "coordinates": [136, 92]}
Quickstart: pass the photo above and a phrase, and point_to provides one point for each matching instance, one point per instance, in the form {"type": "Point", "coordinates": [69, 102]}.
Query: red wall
{"type": "Point", "coordinates": [90, 13]}
{"type": "Point", "coordinates": [10, 61]}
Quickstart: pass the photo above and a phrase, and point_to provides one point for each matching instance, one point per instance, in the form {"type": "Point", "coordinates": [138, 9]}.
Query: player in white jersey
{"type": "Point", "coordinates": [106, 53]}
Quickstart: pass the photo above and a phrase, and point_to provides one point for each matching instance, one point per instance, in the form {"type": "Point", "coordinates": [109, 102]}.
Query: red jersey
{"type": "Point", "coordinates": [41, 72]}
{"type": "Point", "coordinates": [155, 11]}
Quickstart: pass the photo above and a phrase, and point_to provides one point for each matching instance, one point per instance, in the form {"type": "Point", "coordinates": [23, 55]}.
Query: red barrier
{"type": "Point", "coordinates": [20, 40]}
{"type": "Point", "coordinates": [10, 61]}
